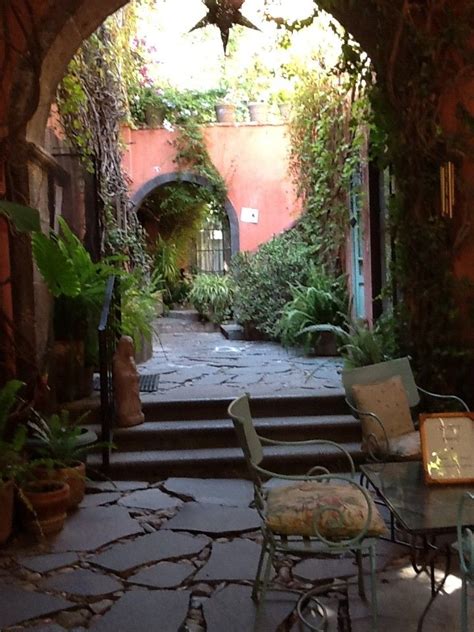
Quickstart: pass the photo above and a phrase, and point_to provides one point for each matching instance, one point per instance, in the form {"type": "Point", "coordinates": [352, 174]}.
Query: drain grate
{"type": "Point", "coordinates": [148, 383]}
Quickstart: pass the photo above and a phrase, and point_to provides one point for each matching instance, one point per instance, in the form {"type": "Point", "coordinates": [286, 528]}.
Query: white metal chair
{"type": "Point", "coordinates": [314, 514]}
{"type": "Point", "coordinates": [379, 439]}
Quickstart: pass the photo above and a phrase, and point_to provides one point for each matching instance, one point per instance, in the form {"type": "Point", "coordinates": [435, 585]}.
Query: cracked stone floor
{"type": "Point", "coordinates": [195, 362]}
{"type": "Point", "coordinates": [179, 556]}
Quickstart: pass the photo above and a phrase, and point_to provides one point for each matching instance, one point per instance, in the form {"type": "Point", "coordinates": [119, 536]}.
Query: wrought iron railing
{"type": "Point", "coordinates": [109, 332]}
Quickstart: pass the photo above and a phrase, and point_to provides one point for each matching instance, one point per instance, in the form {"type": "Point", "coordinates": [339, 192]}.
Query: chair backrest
{"type": "Point", "coordinates": [379, 373]}
{"type": "Point", "coordinates": [239, 411]}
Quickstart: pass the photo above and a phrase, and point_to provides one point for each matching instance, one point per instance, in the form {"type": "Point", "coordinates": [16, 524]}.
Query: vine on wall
{"type": "Point", "coordinates": [418, 52]}
{"type": "Point", "coordinates": [92, 102]}
{"type": "Point", "coordinates": [326, 141]}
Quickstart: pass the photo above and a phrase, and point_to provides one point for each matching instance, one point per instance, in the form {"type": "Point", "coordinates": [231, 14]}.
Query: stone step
{"type": "Point", "coordinates": [153, 465]}
{"type": "Point", "coordinates": [262, 406]}
{"type": "Point", "coordinates": [217, 433]}
{"type": "Point", "coordinates": [167, 408]}
{"type": "Point", "coordinates": [189, 315]}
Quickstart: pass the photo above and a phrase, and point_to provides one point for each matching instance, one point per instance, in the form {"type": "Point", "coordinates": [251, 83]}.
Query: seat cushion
{"type": "Point", "coordinates": [291, 510]}
{"type": "Point", "coordinates": [407, 447]}
{"type": "Point", "coordinates": [388, 400]}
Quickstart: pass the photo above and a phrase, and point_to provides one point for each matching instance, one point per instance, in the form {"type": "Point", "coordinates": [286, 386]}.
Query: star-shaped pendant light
{"type": "Point", "coordinates": [224, 14]}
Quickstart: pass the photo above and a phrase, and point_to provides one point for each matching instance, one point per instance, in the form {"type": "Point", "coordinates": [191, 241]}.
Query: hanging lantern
{"type": "Point", "coordinates": [224, 14]}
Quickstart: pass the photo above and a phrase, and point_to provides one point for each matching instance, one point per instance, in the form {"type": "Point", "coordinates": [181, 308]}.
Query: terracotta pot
{"type": "Point", "coordinates": [154, 116]}
{"type": "Point", "coordinates": [74, 475]}
{"type": "Point", "coordinates": [6, 510]}
{"type": "Point", "coordinates": [48, 501]}
{"type": "Point", "coordinates": [225, 112]}
{"type": "Point", "coordinates": [258, 112]}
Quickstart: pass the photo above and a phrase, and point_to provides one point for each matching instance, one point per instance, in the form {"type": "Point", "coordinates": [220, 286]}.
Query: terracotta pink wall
{"type": "Point", "coordinates": [253, 160]}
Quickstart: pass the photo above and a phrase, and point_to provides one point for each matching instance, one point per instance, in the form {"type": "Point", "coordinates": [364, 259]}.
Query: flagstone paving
{"type": "Point", "coordinates": [189, 567]}
{"type": "Point", "coordinates": [207, 365]}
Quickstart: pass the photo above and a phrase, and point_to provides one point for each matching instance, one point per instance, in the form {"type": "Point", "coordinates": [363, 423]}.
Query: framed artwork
{"type": "Point", "coordinates": [447, 447]}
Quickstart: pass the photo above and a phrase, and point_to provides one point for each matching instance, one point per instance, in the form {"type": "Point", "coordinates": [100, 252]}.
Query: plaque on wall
{"type": "Point", "coordinates": [447, 446]}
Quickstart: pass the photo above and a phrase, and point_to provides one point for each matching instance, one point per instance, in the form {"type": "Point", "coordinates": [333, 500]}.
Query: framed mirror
{"type": "Point", "coordinates": [447, 447]}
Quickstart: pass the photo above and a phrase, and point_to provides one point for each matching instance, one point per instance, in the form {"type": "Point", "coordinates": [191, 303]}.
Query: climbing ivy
{"type": "Point", "coordinates": [326, 139]}
{"type": "Point", "coordinates": [418, 52]}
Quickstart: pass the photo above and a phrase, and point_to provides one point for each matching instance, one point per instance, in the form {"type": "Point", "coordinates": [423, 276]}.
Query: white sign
{"type": "Point", "coordinates": [249, 215]}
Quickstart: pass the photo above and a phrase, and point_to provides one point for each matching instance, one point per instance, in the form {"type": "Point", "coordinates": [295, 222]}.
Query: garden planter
{"type": "Point", "coordinates": [6, 510]}
{"type": "Point", "coordinates": [327, 344]}
{"type": "Point", "coordinates": [225, 113]}
{"type": "Point", "coordinates": [44, 506]}
{"type": "Point", "coordinates": [74, 475]}
{"type": "Point", "coordinates": [154, 117]}
{"type": "Point", "coordinates": [285, 110]}
{"type": "Point", "coordinates": [258, 112]}
{"type": "Point", "coordinates": [68, 370]}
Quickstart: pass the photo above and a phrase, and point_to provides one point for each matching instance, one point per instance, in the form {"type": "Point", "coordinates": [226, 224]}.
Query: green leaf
{"type": "Point", "coordinates": [24, 218]}
{"type": "Point", "coordinates": [56, 268]}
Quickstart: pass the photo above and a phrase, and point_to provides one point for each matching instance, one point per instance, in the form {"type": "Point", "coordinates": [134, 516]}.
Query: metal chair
{"type": "Point", "coordinates": [465, 547]}
{"type": "Point", "coordinates": [323, 531]}
{"type": "Point", "coordinates": [384, 446]}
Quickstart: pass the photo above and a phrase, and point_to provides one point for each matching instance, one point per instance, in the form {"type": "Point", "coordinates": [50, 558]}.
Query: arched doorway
{"type": "Point", "coordinates": [218, 238]}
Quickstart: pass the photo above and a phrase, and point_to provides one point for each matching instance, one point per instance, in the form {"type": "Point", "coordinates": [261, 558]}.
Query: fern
{"type": "Point", "coordinates": [55, 266]}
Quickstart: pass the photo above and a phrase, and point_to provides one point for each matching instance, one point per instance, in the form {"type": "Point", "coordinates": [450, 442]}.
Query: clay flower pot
{"type": "Point", "coordinates": [6, 510]}
{"type": "Point", "coordinates": [44, 506]}
{"type": "Point", "coordinates": [74, 475]}
{"type": "Point", "coordinates": [258, 112]}
{"type": "Point", "coordinates": [225, 112]}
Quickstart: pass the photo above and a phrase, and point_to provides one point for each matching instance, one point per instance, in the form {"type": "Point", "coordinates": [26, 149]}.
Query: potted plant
{"type": "Point", "coordinates": [11, 446]}
{"type": "Point", "coordinates": [77, 285]}
{"type": "Point", "coordinates": [41, 504]}
{"type": "Point", "coordinates": [44, 504]}
{"type": "Point", "coordinates": [64, 444]}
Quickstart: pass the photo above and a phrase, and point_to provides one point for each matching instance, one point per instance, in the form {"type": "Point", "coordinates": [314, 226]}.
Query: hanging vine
{"type": "Point", "coordinates": [92, 102]}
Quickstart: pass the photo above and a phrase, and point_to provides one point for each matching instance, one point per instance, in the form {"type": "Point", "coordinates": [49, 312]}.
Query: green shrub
{"type": "Point", "coordinates": [212, 296]}
{"type": "Point", "coordinates": [263, 281]}
{"type": "Point", "coordinates": [322, 301]}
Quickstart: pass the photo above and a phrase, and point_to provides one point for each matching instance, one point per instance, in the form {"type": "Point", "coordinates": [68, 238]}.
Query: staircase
{"type": "Point", "coordinates": [196, 438]}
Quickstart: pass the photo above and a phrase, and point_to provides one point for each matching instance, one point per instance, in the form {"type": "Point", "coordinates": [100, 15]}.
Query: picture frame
{"type": "Point", "coordinates": [447, 448]}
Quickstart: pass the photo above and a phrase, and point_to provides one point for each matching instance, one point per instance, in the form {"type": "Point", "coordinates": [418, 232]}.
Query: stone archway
{"type": "Point", "coordinates": [187, 176]}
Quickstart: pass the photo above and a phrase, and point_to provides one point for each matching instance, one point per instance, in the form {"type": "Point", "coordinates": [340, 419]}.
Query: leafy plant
{"type": "Point", "coordinates": [58, 438]}
{"type": "Point", "coordinates": [263, 280]}
{"type": "Point", "coordinates": [24, 218]}
{"type": "Point", "coordinates": [322, 301]}
{"type": "Point", "coordinates": [11, 447]}
{"type": "Point", "coordinates": [212, 296]}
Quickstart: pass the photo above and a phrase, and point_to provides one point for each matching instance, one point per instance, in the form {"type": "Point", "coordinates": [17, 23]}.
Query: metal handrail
{"type": "Point", "coordinates": [108, 333]}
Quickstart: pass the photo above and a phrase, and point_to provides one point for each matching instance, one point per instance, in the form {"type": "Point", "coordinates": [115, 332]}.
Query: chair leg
{"type": "Point", "coordinates": [264, 586]}
{"type": "Point", "coordinates": [257, 582]}
{"type": "Point", "coordinates": [373, 587]}
{"type": "Point", "coordinates": [464, 605]}
{"type": "Point", "coordinates": [360, 575]}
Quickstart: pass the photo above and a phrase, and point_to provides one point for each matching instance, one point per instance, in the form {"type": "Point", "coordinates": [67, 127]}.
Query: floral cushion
{"type": "Point", "coordinates": [343, 511]}
{"type": "Point", "coordinates": [388, 400]}
{"type": "Point", "coordinates": [406, 447]}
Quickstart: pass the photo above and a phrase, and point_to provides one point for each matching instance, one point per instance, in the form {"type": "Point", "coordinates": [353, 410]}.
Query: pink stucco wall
{"type": "Point", "coordinates": [253, 160]}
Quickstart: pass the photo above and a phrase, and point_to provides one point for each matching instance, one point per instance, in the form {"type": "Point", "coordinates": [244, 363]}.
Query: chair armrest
{"type": "Point", "coordinates": [439, 396]}
{"type": "Point", "coordinates": [322, 442]}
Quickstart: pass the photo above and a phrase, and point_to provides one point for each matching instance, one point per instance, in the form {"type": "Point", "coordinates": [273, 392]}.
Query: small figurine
{"type": "Point", "coordinates": [128, 406]}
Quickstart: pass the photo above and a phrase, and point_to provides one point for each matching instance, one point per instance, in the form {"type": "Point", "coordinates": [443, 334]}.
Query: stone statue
{"type": "Point", "coordinates": [128, 406]}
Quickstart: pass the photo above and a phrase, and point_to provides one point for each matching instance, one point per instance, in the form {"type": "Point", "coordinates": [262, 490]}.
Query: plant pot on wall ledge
{"type": "Point", "coordinates": [258, 112]}
{"type": "Point", "coordinates": [225, 112]}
